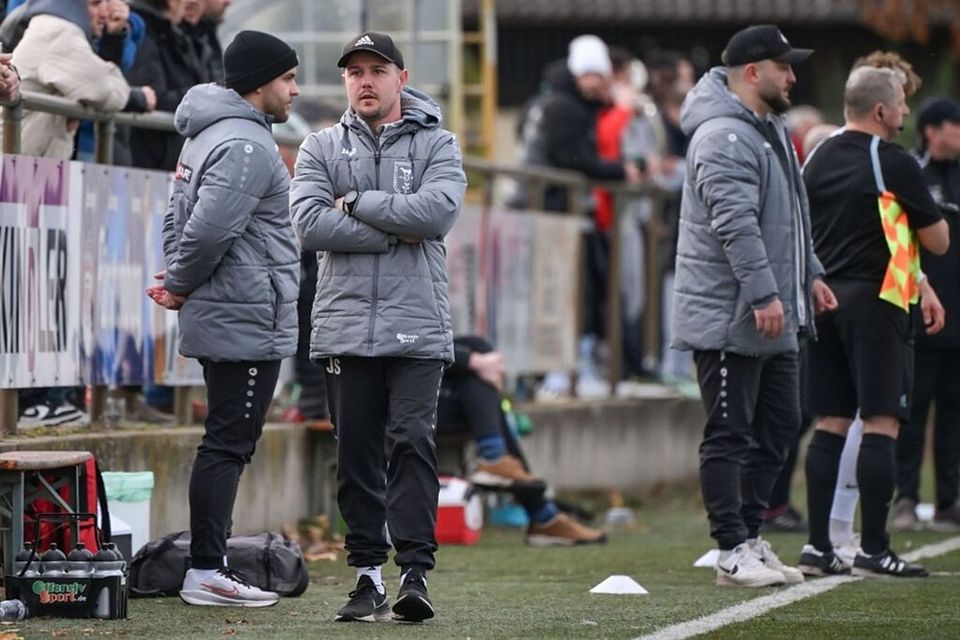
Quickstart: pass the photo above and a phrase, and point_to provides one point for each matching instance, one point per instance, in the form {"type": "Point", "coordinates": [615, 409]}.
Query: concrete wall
{"type": "Point", "coordinates": [577, 445]}
{"type": "Point", "coordinates": [274, 488]}
{"type": "Point", "coordinates": [616, 443]}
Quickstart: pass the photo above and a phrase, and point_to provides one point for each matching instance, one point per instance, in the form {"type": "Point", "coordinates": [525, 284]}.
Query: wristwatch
{"type": "Point", "coordinates": [349, 200]}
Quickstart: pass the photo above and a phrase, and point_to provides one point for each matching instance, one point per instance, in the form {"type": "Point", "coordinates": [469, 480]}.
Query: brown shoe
{"type": "Point", "coordinates": [563, 531]}
{"type": "Point", "coordinates": [947, 519]}
{"type": "Point", "coordinates": [905, 515]}
{"type": "Point", "coordinates": [502, 473]}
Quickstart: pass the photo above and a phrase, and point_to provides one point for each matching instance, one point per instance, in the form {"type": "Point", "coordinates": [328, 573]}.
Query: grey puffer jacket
{"type": "Point", "coordinates": [744, 228]}
{"type": "Point", "coordinates": [227, 238]}
{"type": "Point", "coordinates": [377, 296]}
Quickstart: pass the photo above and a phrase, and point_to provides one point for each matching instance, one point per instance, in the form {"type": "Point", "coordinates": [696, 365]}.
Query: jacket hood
{"type": "Point", "coordinates": [711, 99]}
{"type": "Point", "coordinates": [415, 106]}
{"type": "Point", "coordinates": [206, 104]}
{"type": "Point", "coordinates": [74, 11]}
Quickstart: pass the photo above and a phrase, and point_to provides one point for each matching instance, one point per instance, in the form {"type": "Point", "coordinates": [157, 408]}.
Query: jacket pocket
{"type": "Point", "coordinates": [277, 301]}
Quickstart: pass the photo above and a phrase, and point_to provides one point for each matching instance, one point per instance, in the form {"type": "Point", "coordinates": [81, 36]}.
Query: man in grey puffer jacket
{"type": "Point", "coordinates": [233, 270]}
{"type": "Point", "coordinates": [747, 285]}
{"type": "Point", "coordinates": [375, 194]}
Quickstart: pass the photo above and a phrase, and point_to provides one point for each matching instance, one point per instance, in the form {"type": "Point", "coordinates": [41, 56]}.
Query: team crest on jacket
{"type": "Point", "coordinates": [184, 173]}
{"type": "Point", "coordinates": [403, 176]}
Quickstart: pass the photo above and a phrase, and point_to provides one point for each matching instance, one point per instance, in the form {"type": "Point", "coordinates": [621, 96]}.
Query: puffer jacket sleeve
{"type": "Point", "coordinates": [318, 225]}
{"type": "Point", "coordinates": [237, 175]}
{"type": "Point", "coordinates": [77, 73]}
{"type": "Point", "coordinates": [432, 210]}
{"type": "Point", "coordinates": [727, 179]}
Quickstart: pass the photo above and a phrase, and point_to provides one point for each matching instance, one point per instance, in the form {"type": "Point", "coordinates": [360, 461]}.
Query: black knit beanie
{"type": "Point", "coordinates": [255, 58]}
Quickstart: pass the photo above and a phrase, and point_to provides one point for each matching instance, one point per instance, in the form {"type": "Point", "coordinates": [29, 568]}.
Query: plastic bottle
{"type": "Point", "coordinates": [13, 610]}
{"type": "Point", "coordinates": [54, 561]}
{"type": "Point", "coordinates": [20, 564]}
{"type": "Point", "coordinates": [108, 564]}
{"type": "Point", "coordinates": [80, 561]}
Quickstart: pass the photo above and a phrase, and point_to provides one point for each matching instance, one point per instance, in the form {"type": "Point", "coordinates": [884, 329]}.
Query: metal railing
{"type": "Point", "coordinates": [535, 179]}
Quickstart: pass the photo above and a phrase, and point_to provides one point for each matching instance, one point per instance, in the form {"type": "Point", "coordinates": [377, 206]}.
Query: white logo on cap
{"type": "Point", "coordinates": [783, 37]}
{"type": "Point", "coordinates": [365, 40]}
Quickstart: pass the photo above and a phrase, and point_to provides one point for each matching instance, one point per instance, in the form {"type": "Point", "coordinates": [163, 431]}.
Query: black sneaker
{"type": "Point", "coordinates": [814, 562]}
{"type": "Point", "coordinates": [785, 520]}
{"type": "Point", "coordinates": [412, 604]}
{"type": "Point", "coordinates": [886, 563]}
{"type": "Point", "coordinates": [366, 604]}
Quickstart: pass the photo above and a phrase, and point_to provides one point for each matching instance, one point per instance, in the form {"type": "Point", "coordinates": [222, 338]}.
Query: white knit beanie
{"type": "Point", "coordinates": [589, 54]}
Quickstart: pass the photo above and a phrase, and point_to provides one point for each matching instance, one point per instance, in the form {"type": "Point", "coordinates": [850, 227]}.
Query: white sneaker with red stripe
{"type": "Point", "coordinates": [224, 588]}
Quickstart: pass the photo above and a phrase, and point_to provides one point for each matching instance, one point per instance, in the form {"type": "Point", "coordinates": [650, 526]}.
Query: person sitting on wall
{"type": "Point", "coordinates": [470, 396]}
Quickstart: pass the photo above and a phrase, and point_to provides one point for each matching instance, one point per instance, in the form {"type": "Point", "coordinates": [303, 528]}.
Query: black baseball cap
{"type": "Point", "coordinates": [378, 43]}
{"type": "Point", "coordinates": [761, 42]}
{"type": "Point", "coordinates": [937, 110]}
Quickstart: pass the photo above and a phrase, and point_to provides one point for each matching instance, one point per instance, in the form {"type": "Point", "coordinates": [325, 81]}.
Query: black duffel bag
{"type": "Point", "coordinates": [268, 560]}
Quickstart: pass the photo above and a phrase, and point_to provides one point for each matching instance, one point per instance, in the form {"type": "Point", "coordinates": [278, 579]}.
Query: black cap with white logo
{"type": "Point", "coordinates": [761, 42]}
{"type": "Point", "coordinates": [378, 43]}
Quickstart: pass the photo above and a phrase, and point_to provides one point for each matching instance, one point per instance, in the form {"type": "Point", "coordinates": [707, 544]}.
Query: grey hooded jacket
{"type": "Point", "coordinates": [744, 228]}
{"type": "Point", "coordinates": [227, 238]}
{"type": "Point", "coordinates": [377, 296]}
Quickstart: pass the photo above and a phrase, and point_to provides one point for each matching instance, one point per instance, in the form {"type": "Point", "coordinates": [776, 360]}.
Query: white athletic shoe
{"type": "Point", "coordinates": [225, 588]}
{"type": "Point", "coordinates": [848, 551]}
{"type": "Point", "coordinates": [791, 575]}
{"type": "Point", "coordinates": [743, 568]}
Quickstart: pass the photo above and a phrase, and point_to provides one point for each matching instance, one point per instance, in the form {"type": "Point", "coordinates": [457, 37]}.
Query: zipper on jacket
{"type": "Point", "coordinates": [376, 262]}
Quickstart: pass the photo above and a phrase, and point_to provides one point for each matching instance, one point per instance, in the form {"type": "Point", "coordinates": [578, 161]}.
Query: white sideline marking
{"type": "Point", "coordinates": [759, 606]}
{"type": "Point", "coordinates": [933, 550]}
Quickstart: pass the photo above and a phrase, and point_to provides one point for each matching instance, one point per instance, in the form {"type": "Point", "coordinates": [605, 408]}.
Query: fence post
{"type": "Point", "coordinates": [614, 311]}
{"type": "Point", "coordinates": [105, 132]}
{"type": "Point", "coordinates": [12, 119]}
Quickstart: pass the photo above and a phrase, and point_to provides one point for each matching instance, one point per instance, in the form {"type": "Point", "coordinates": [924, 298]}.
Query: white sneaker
{"type": "Point", "coordinates": [791, 575]}
{"type": "Point", "coordinates": [49, 415]}
{"type": "Point", "coordinates": [743, 568]}
{"type": "Point", "coordinates": [225, 588]}
{"type": "Point", "coordinates": [848, 551]}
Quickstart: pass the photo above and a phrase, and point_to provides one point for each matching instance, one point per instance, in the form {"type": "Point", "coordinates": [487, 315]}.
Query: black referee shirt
{"type": "Point", "coordinates": [847, 233]}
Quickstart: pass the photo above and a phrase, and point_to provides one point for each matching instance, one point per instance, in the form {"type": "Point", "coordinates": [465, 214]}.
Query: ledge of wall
{"type": "Point", "coordinates": [576, 445]}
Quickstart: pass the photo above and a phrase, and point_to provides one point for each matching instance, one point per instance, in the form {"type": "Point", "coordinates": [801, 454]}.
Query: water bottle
{"type": "Point", "coordinates": [26, 562]}
{"type": "Point", "coordinates": [108, 564]}
{"type": "Point", "coordinates": [80, 561]}
{"type": "Point", "coordinates": [13, 610]}
{"type": "Point", "coordinates": [54, 561]}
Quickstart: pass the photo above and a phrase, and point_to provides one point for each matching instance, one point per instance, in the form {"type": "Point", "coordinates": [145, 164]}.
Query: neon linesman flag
{"type": "Point", "coordinates": [901, 281]}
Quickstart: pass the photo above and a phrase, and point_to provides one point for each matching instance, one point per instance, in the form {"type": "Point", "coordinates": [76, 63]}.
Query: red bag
{"type": "Point", "coordinates": [58, 529]}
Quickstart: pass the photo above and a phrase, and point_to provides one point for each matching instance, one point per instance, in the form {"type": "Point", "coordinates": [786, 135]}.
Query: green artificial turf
{"type": "Point", "coordinates": [503, 589]}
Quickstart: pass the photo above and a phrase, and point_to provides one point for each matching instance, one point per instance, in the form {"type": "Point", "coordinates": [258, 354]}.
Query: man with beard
{"type": "Point", "coordinates": [233, 271]}
{"type": "Point", "coordinates": [870, 209]}
{"type": "Point", "coordinates": [375, 194]}
{"type": "Point", "coordinates": [747, 286]}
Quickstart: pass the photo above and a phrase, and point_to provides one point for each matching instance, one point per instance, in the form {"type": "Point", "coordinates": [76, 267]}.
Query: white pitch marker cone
{"type": "Point", "coordinates": [620, 585]}
{"type": "Point", "coordinates": [708, 560]}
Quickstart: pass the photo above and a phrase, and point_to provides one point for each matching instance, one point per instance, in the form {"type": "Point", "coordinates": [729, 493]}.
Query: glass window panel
{"type": "Point", "coordinates": [428, 62]}
{"type": "Point", "coordinates": [432, 15]}
{"type": "Point", "coordinates": [388, 16]}
{"type": "Point", "coordinates": [326, 70]}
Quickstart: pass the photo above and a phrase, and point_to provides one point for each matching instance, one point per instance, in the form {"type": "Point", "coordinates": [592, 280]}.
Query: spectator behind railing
{"type": "Point", "coordinates": [9, 79]}
{"type": "Point", "coordinates": [55, 56]}
{"type": "Point", "coordinates": [124, 30]}
{"type": "Point", "coordinates": [559, 130]}
{"type": "Point", "coordinates": [200, 21]}
{"type": "Point", "coordinates": [168, 61]}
